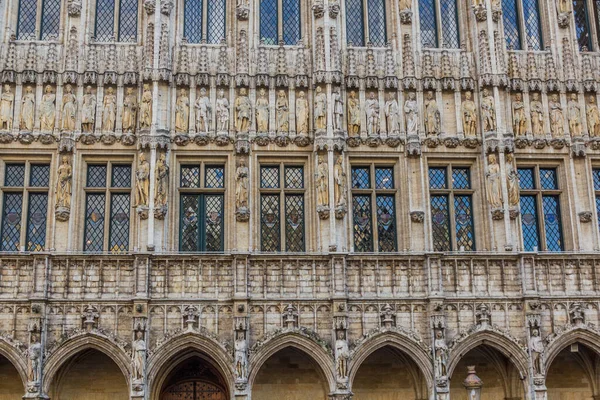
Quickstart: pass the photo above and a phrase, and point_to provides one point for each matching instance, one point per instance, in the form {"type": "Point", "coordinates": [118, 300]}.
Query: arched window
{"type": "Point", "coordinates": [38, 23]}
{"type": "Point", "coordinates": [116, 20]}
{"type": "Point", "coordinates": [439, 23]}
{"type": "Point", "coordinates": [365, 22]}
{"type": "Point", "coordinates": [280, 21]}
{"type": "Point", "coordinates": [204, 21]}
{"type": "Point", "coordinates": [522, 24]}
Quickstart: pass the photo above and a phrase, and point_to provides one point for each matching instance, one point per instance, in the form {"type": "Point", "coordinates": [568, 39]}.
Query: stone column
{"type": "Point", "coordinates": [440, 354]}
{"type": "Point", "coordinates": [35, 353]}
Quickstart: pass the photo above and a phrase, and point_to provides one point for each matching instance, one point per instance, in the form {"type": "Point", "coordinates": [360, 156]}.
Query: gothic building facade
{"type": "Point", "coordinates": [292, 199]}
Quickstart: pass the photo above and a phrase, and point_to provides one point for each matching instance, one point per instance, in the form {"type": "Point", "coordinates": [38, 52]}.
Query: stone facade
{"type": "Point", "coordinates": [141, 319]}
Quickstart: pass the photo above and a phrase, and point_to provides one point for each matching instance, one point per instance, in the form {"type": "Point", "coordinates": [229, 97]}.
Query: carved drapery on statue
{"type": "Point", "coordinates": [6, 108]}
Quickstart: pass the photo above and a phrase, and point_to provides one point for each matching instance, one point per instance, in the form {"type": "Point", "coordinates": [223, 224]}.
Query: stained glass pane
{"type": "Point", "coordinates": [27, 20]}
{"type": "Point", "coordinates": [596, 174]}
{"type": "Point", "coordinates": [582, 26]}
{"type": "Point", "coordinates": [105, 20]}
{"type": "Point", "coordinates": [50, 19]}
{"type": "Point", "coordinates": [94, 222]}
{"type": "Point", "coordinates": [291, 21]}
{"type": "Point", "coordinates": [294, 223]}
{"type": "Point", "coordinates": [461, 178]}
{"type": "Point", "coordinates": [548, 180]}
{"type": "Point", "coordinates": [215, 177]}
{"type": "Point", "coordinates": [189, 223]}
{"type": "Point", "coordinates": [386, 223]}
{"type": "Point", "coordinates": [361, 178]}
{"type": "Point", "coordinates": [463, 218]}
{"type": "Point", "coordinates": [529, 223]}
{"type": "Point", "coordinates": [440, 223]}
{"type": "Point", "coordinates": [192, 25]}
{"type": "Point", "coordinates": [377, 31]}
{"type": "Point", "coordinates": [384, 178]}
{"type": "Point", "coordinates": [268, 22]}
{"type": "Point", "coordinates": [363, 230]}
{"type": "Point", "coordinates": [190, 176]}
{"type": "Point", "coordinates": [269, 177]}
{"type": "Point", "coordinates": [36, 221]}
{"type": "Point", "coordinates": [450, 30]}
{"type": "Point", "coordinates": [294, 177]}
{"type": "Point", "coordinates": [119, 223]}
{"type": "Point", "coordinates": [269, 223]}
{"type": "Point", "coordinates": [526, 178]}
{"type": "Point", "coordinates": [552, 223]}
{"type": "Point", "coordinates": [216, 21]}
{"type": "Point", "coordinates": [437, 178]}
{"type": "Point", "coordinates": [96, 176]}
{"type": "Point", "coordinates": [128, 16]}
{"type": "Point", "coordinates": [39, 176]}
{"type": "Point", "coordinates": [214, 223]}
{"type": "Point", "coordinates": [355, 24]}
{"type": "Point", "coordinates": [427, 18]}
{"type": "Point", "coordinates": [533, 26]}
{"type": "Point", "coordinates": [121, 176]}
{"type": "Point", "coordinates": [597, 14]}
{"type": "Point", "coordinates": [14, 175]}
{"type": "Point", "coordinates": [512, 31]}
{"type": "Point", "coordinates": [598, 209]}
{"type": "Point", "coordinates": [11, 221]}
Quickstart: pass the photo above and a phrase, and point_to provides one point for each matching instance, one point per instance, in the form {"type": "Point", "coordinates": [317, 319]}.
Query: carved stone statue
{"type": "Point", "coordinates": [27, 109]}
{"type": "Point", "coordinates": [320, 109]}
{"type": "Point", "coordinates": [488, 111]}
{"type": "Point", "coordinates": [241, 355]}
{"type": "Point", "coordinates": [142, 181]}
{"type": "Point", "coordinates": [563, 6]}
{"type": "Point", "coordinates": [146, 108]}
{"type": "Point", "coordinates": [301, 114]}
{"type": "Point", "coordinates": [519, 116]}
{"type": "Point", "coordinates": [6, 108]}
{"type": "Point", "coordinates": [338, 109]}
{"type": "Point", "coordinates": [182, 112]}
{"type": "Point", "coordinates": [130, 106]}
{"type": "Point", "coordinates": [34, 355]}
{"type": "Point", "coordinates": [88, 111]}
{"type": "Point", "coordinates": [432, 115]}
{"type": "Point", "coordinates": [139, 356]}
{"type": "Point", "coordinates": [48, 110]}
{"type": "Point", "coordinates": [322, 181]}
{"type": "Point", "coordinates": [405, 5]}
{"type": "Point", "coordinates": [262, 112]}
{"type": "Point", "coordinates": [469, 116]}
{"type": "Point", "coordinates": [392, 114]}
{"type": "Point", "coordinates": [243, 112]}
{"type": "Point", "coordinates": [494, 187]}
{"type": "Point", "coordinates": [109, 113]}
{"type": "Point", "coordinates": [241, 185]}
{"type": "Point", "coordinates": [69, 109]}
{"type": "Point", "coordinates": [441, 354]}
{"type": "Point", "coordinates": [574, 116]}
{"type": "Point", "coordinates": [372, 111]}
{"type": "Point", "coordinates": [222, 111]}
{"type": "Point", "coordinates": [593, 117]}
{"type": "Point", "coordinates": [282, 113]}
{"type": "Point", "coordinates": [339, 181]}
{"type": "Point", "coordinates": [203, 112]}
{"type": "Point", "coordinates": [411, 114]}
{"type": "Point", "coordinates": [161, 175]}
{"type": "Point", "coordinates": [557, 120]}
{"type": "Point", "coordinates": [64, 184]}
{"type": "Point", "coordinates": [353, 114]}
{"type": "Point", "coordinates": [537, 115]}
{"type": "Point", "coordinates": [342, 354]}
{"type": "Point", "coordinates": [512, 181]}
{"type": "Point", "coordinates": [537, 350]}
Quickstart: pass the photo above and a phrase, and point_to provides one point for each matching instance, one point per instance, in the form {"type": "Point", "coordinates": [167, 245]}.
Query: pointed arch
{"type": "Point", "coordinates": [15, 357]}
{"type": "Point", "coordinates": [583, 335]}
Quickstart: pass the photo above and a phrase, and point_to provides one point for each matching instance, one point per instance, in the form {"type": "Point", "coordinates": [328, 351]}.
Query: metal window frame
{"type": "Point", "coordinates": [366, 19]}
{"type": "Point", "coordinates": [206, 21]}
{"type": "Point", "coordinates": [440, 24]}
{"type": "Point", "coordinates": [589, 26]}
{"type": "Point", "coordinates": [523, 34]}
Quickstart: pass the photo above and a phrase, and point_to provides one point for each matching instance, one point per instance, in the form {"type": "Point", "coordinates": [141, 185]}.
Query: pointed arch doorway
{"type": "Point", "coordinates": [194, 379]}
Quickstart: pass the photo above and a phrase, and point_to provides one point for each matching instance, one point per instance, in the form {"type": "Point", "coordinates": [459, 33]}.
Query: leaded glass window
{"type": "Point", "coordinates": [522, 24]}
{"type": "Point", "coordinates": [280, 21]}
{"type": "Point", "coordinates": [38, 19]}
{"type": "Point", "coordinates": [107, 208]}
{"type": "Point", "coordinates": [202, 205]}
{"type": "Point", "coordinates": [374, 208]}
{"type": "Point", "coordinates": [282, 220]}
{"type": "Point", "coordinates": [582, 25]}
{"type": "Point", "coordinates": [439, 23]}
{"type": "Point", "coordinates": [204, 21]}
{"type": "Point", "coordinates": [366, 22]}
{"type": "Point", "coordinates": [596, 176]}
{"type": "Point", "coordinates": [451, 198]}
{"type": "Point", "coordinates": [25, 207]}
{"type": "Point", "coordinates": [540, 209]}
{"type": "Point", "coordinates": [116, 20]}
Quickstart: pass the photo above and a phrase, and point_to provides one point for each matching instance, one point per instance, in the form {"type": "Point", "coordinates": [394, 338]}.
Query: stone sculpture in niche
{"type": "Point", "coordinates": [142, 181]}
{"type": "Point", "coordinates": [48, 110]}
{"type": "Point", "coordinates": [109, 114]}
{"type": "Point", "coordinates": [557, 119]}
{"type": "Point", "coordinates": [241, 355]}
{"type": "Point", "coordinates": [139, 357]}
{"type": "Point", "coordinates": [320, 109]}
{"type": "Point", "coordinates": [392, 114]}
{"type": "Point", "coordinates": [182, 112]}
{"type": "Point", "coordinates": [512, 181]}
{"type": "Point", "coordinates": [130, 106]}
{"type": "Point", "coordinates": [353, 114]}
{"type": "Point", "coordinates": [469, 116]}
{"type": "Point", "coordinates": [301, 113]}
{"type": "Point", "coordinates": [34, 355]}
{"type": "Point", "coordinates": [494, 188]}
{"type": "Point", "coordinates": [339, 181]}
{"type": "Point", "coordinates": [88, 111]}
{"type": "Point", "coordinates": [203, 112]}
{"type": "Point", "coordinates": [441, 354]}
{"type": "Point", "coordinates": [432, 115]}
{"type": "Point", "coordinates": [537, 115]}
{"type": "Point", "coordinates": [64, 184]}
{"type": "Point", "coordinates": [69, 109]}
{"type": "Point", "coordinates": [342, 354]}
{"type": "Point", "coordinates": [536, 346]}
{"type": "Point", "coordinates": [27, 109]}
{"type": "Point", "coordinates": [161, 175]}
{"type": "Point", "coordinates": [322, 181]}
{"type": "Point", "coordinates": [262, 112]}
{"type": "Point", "coordinates": [338, 110]}
{"type": "Point", "coordinates": [372, 111]}
{"type": "Point", "coordinates": [593, 117]}
{"type": "Point", "coordinates": [241, 185]}
{"type": "Point", "coordinates": [519, 116]}
{"type": "Point", "coordinates": [488, 111]}
{"type": "Point", "coordinates": [411, 114]}
{"type": "Point", "coordinates": [243, 112]}
{"type": "Point", "coordinates": [222, 111]}
{"type": "Point", "coordinates": [282, 114]}
{"type": "Point", "coordinates": [146, 108]}
{"type": "Point", "coordinates": [574, 116]}
{"type": "Point", "coordinates": [6, 108]}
